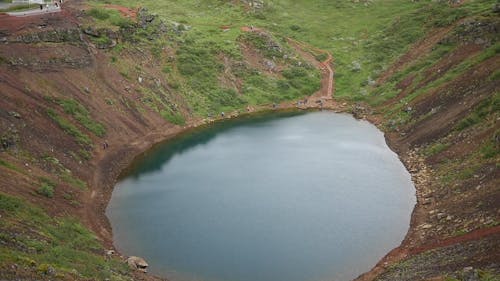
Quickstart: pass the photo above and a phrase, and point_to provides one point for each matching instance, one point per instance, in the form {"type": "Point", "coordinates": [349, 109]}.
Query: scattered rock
{"type": "Point", "coordinates": [426, 226]}
{"type": "Point", "coordinates": [355, 66]}
{"type": "Point", "coordinates": [15, 114]}
{"type": "Point", "coordinates": [270, 66]}
{"type": "Point", "coordinates": [53, 36]}
{"type": "Point", "coordinates": [51, 271]}
{"type": "Point", "coordinates": [256, 4]}
{"type": "Point", "coordinates": [469, 274]}
{"type": "Point", "coordinates": [426, 201]}
{"type": "Point", "coordinates": [91, 31]}
{"type": "Point", "coordinates": [144, 18]}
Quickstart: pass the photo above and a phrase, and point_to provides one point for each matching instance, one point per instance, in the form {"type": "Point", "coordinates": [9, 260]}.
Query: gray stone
{"type": "Point", "coordinates": [51, 271]}
{"type": "Point", "coordinates": [426, 226]}
{"type": "Point", "coordinates": [356, 66]}
{"type": "Point", "coordinates": [15, 114]}
{"type": "Point", "coordinates": [271, 66]}
{"type": "Point", "coordinates": [137, 263]}
{"type": "Point", "coordinates": [496, 8]}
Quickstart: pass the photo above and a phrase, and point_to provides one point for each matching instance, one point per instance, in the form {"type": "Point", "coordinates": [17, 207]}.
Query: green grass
{"type": "Point", "coordinates": [100, 14]}
{"type": "Point", "coordinates": [8, 165]}
{"type": "Point", "coordinates": [174, 118]}
{"type": "Point", "coordinates": [481, 112]}
{"type": "Point", "coordinates": [491, 148]}
{"type": "Point", "coordinates": [108, 18]}
{"type": "Point", "coordinates": [373, 35]}
{"type": "Point", "coordinates": [435, 148]}
{"type": "Point", "coordinates": [46, 188]}
{"type": "Point", "coordinates": [82, 115]}
{"type": "Point", "coordinates": [69, 128]}
{"type": "Point", "coordinates": [60, 242]}
{"type": "Point", "coordinates": [70, 179]}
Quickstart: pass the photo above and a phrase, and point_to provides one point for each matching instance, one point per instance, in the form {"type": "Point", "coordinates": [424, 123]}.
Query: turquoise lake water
{"type": "Point", "coordinates": [283, 197]}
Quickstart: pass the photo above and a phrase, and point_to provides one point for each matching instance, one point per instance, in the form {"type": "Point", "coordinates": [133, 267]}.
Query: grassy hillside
{"type": "Point", "coordinates": [34, 244]}
{"type": "Point", "coordinates": [364, 36]}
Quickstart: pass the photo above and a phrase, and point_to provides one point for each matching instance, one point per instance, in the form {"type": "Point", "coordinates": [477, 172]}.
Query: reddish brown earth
{"type": "Point", "coordinates": [126, 12]}
{"type": "Point", "coordinates": [436, 114]}
{"type": "Point", "coordinates": [417, 50]}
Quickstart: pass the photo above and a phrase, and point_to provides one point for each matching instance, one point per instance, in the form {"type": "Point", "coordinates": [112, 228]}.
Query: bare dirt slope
{"type": "Point", "coordinates": [448, 142]}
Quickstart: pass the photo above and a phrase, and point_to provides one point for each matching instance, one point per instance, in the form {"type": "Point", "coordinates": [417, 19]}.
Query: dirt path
{"type": "Point", "coordinates": [327, 90]}
{"type": "Point", "coordinates": [327, 86]}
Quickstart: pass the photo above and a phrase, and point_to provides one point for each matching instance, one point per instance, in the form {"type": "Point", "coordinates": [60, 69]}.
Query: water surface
{"type": "Point", "coordinates": [316, 196]}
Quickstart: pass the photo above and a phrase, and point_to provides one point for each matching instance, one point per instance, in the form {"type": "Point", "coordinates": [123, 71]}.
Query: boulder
{"type": "Point", "coordinates": [145, 18]}
{"type": "Point", "coordinates": [496, 8]}
{"type": "Point", "coordinates": [137, 263]}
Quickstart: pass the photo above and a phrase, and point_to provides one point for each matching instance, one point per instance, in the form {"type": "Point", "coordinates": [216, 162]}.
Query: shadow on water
{"type": "Point", "coordinates": [153, 160]}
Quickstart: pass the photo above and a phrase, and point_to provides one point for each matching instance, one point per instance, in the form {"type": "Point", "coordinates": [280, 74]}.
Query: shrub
{"type": "Point", "coordinates": [174, 118]}
{"type": "Point", "coordinates": [435, 148]}
{"type": "Point", "coordinates": [100, 14]}
{"type": "Point", "coordinates": [46, 190]}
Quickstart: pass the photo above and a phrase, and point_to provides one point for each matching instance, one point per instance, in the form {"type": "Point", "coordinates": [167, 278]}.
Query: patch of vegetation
{"type": "Point", "coordinates": [46, 188]}
{"type": "Point", "coordinates": [62, 172]}
{"type": "Point", "coordinates": [321, 57]}
{"type": "Point", "coordinates": [70, 179]}
{"type": "Point", "coordinates": [485, 108]}
{"type": "Point", "coordinates": [174, 118]}
{"type": "Point", "coordinates": [201, 69]}
{"type": "Point", "coordinates": [3, 60]}
{"type": "Point", "coordinates": [108, 18]}
{"type": "Point", "coordinates": [485, 275]}
{"type": "Point", "coordinates": [102, 40]}
{"type": "Point", "coordinates": [491, 149]}
{"type": "Point", "coordinates": [98, 13]}
{"type": "Point", "coordinates": [265, 43]}
{"type": "Point", "coordinates": [435, 148]}
{"type": "Point", "coordinates": [69, 128]}
{"type": "Point", "coordinates": [301, 81]}
{"type": "Point", "coordinates": [61, 243]}
{"type": "Point", "coordinates": [82, 115]}
{"type": "Point", "coordinates": [8, 165]}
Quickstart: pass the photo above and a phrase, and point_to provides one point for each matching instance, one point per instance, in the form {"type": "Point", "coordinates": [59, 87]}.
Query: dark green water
{"type": "Point", "coordinates": [316, 196]}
